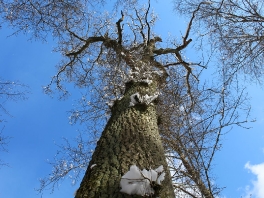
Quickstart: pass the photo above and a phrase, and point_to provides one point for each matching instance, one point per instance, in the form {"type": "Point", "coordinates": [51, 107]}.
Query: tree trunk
{"type": "Point", "coordinates": [131, 137]}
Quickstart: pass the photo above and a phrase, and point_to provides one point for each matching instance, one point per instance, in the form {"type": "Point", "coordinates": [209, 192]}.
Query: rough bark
{"type": "Point", "coordinates": [131, 137]}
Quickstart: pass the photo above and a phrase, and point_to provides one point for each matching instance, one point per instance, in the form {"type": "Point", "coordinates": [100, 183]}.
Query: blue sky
{"type": "Point", "coordinates": [41, 120]}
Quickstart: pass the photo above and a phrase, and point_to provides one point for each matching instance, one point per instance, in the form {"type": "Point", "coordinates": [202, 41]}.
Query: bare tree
{"type": "Point", "coordinates": [4, 140]}
{"type": "Point", "coordinates": [192, 135]}
{"type": "Point", "coordinates": [142, 88]}
{"type": "Point", "coordinates": [234, 29]}
{"type": "Point", "coordinates": [10, 91]}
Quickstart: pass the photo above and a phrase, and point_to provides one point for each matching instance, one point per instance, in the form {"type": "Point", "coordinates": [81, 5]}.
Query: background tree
{"type": "Point", "coordinates": [128, 67]}
{"type": "Point", "coordinates": [3, 145]}
{"type": "Point", "coordinates": [234, 29]}
{"type": "Point", "coordinates": [10, 91]}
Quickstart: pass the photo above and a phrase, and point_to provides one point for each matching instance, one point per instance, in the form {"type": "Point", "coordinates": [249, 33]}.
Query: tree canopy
{"type": "Point", "coordinates": [106, 45]}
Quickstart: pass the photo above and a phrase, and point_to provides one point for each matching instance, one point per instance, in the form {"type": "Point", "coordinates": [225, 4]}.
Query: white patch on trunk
{"type": "Point", "coordinates": [93, 166]}
{"type": "Point", "coordinates": [137, 182]}
{"type": "Point", "coordinates": [136, 98]}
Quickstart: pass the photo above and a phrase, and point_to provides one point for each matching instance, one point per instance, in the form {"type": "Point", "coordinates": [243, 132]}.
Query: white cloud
{"type": "Point", "coordinates": [257, 190]}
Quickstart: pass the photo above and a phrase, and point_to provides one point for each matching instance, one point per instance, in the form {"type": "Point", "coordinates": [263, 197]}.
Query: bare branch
{"type": "Point", "coordinates": [146, 20]}
{"type": "Point", "coordinates": [86, 45]}
{"type": "Point", "coordinates": [119, 29]}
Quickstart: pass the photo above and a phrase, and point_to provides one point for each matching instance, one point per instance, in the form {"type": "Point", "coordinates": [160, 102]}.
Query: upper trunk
{"type": "Point", "coordinates": [131, 137]}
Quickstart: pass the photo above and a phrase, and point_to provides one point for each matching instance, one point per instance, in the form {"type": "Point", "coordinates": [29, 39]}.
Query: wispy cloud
{"type": "Point", "coordinates": [257, 190]}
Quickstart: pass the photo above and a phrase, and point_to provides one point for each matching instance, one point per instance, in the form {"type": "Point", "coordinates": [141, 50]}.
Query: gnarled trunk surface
{"type": "Point", "coordinates": [131, 137]}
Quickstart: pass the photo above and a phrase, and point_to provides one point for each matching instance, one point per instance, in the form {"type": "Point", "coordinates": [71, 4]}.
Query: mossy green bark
{"type": "Point", "coordinates": [131, 137]}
